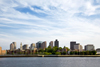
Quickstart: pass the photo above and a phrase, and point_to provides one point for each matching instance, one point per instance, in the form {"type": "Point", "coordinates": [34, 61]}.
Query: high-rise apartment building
{"type": "Point", "coordinates": [56, 43]}
{"type": "Point", "coordinates": [51, 44]}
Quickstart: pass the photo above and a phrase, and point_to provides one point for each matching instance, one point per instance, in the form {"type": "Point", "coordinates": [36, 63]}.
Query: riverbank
{"type": "Point", "coordinates": [3, 56]}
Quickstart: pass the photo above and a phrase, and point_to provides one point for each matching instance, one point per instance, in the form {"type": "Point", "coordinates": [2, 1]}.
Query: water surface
{"type": "Point", "coordinates": [50, 62]}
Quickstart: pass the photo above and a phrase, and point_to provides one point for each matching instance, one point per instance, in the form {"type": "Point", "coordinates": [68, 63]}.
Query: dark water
{"type": "Point", "coordinates": [50, 62]}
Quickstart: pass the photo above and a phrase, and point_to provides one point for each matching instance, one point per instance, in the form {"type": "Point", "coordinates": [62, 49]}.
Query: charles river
{"type": "Point", "coordinates": [50, 62]}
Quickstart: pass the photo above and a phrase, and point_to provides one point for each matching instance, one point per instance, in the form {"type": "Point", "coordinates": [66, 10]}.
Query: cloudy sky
{"type": "Point", "coordinates": [30, 21]}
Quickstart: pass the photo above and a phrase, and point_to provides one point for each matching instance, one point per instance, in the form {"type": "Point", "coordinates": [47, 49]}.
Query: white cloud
{"type": "Point", "coordinates": [61, 21]}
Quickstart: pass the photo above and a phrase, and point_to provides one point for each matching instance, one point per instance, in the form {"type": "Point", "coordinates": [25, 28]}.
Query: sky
{"type": "Point", "coordinates": [30, 21]}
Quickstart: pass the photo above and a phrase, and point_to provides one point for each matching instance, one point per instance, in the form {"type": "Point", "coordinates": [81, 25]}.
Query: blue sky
{"type": "Point", "coordinates": [30, 21]}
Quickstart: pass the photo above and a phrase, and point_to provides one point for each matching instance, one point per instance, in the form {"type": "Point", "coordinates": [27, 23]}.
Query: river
{"type": "Point", "coordinates": [50, 62]}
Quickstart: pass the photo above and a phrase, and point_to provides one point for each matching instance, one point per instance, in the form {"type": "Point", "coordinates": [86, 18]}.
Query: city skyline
{"type": "Point", "coordinates": [32, 21]}
{"type": "Point", "coordinates": [43, 44]}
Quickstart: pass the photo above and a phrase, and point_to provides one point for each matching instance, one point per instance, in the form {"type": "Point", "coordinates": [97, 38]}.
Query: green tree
{"type": "Point", "coordinates": [64, 53]}
{"type": "Point", "coordinates": [71, 53]}
{"type": "Point", "coordinates": [60, 48]}
{"type": "Point", "coordinates": [47, 53]}
{"type": "Point", "coordinates": [49, 46]}
{"type": "Point", "coordinates": [58, 53]}
{"type": "Point", "coordinates": [94, 52]}
{"type": "Point", "coordinates": [66, 48]}
{"type": "Point", "coordinates": [41, 50]}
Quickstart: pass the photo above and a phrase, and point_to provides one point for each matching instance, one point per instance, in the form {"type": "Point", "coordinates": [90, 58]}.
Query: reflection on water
{"type": "Point", "coordinates": [50, 62]}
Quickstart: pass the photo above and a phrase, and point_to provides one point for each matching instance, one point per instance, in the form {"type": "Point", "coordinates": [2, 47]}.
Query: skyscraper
{"type": "Point", "coordinates": [32, 46]}
{"type": "Point", "coordinates": [21, 48]}
{"type": "Point", "coordinates": [11, 46]}
{"type": "Point", "coordinates": [38, 44]}
{"type": "Point", "coordinates": [51, 44]}
{"type": "Point", "coordinates": [25, 47]}
{"type": "Point", "coordinates": [72, 43]}
{"type": "Point", "coordinates": [14, 45]}
{"type": "Point", "coordinates": [43, 45]}
{"type": "Point", "coordinates": [56, 43]}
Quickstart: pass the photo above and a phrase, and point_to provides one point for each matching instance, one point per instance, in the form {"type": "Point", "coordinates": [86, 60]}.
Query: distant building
{"type": "Point", "coordinates": [56, 43]}
{"type": "Point", "coordinates": [14, 45]}
{"type": "Point", "coordinates": [11, 46]}
{"type": "Point", "coordinates": [2, 52]}
{"type": "Point", "coordinates": [78, 47]}
{"type": "Point", "coordinates": [21, 47]}
{"type": "Point", "coordinates": [43, 45]}
{"type": "Point", "coordinates": [32, 46]}
{"type": "Point", "coordinates": [98, 50]}
{"type": "Point", "coordinates": [89, 47]}
{"type": "Point", "coordinates": [51, 44]}
{"type": "Point", "coordinates": [25, 47]}
{"type": "Point", "coordinates": [38, 44]}
{"type": "Point", "coordinates": [72, 43]}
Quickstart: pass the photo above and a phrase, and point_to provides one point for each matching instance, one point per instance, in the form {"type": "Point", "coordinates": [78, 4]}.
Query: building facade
{"type": "Point", "coordinates": [98, 50]}
{"type": "Point", "coordinates": [56, 43]}
{"type": "Point", "coordinates": [78, 47]}
{"type": "Point", "coordinates": [21, 47]}
{"type": "Point", "coordinates": [32, 46]}
{"type": "Point", "coordinates": [89, 47]}
{"type": "Point", "coordinates": [51, 44]}
{"type": "Point", "coordinates": [2, 52]}
{"type": "Point", "coordinates": [38, 44]}
{"type": "Point", "coordinates": [11, 46]}
{"type": "Point", "coordinates": [72, 43]}
{"type": "Point", "coordinates": [25, 47]}
{"type": "Point", "coordinates": [43, 45]}
{"type": "Point", "coordinates": [14, 45]}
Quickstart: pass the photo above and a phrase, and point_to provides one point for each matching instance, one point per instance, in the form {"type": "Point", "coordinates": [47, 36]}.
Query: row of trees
{"type": "Point", "coordinates": [53, 51]}
{"type": "Point", "coordinates": [83, 53]}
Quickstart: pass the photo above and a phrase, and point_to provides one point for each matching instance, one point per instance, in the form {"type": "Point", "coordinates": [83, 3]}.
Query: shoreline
{"type": "Point", "coordinates": [5, 56]}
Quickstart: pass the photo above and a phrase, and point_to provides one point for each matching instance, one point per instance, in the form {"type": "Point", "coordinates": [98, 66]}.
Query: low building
{"type": "Point", "coordinates": [2, 52]}
{"type": "Point", "coordinates": [89, 47]}
{"type": "Point", "coordinates": [98, 50]}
